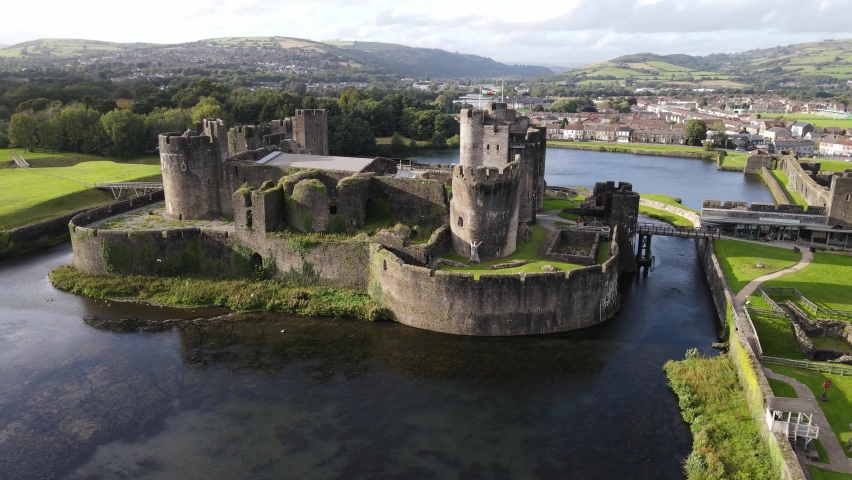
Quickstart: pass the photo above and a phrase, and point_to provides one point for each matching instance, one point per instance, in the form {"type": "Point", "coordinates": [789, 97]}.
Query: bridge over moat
{"type": "Point", "coordinates": [646, 231]}
{"type": "Point", "coordinates": [119, 189]}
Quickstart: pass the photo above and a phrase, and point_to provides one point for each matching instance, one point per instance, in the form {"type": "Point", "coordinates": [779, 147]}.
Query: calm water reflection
{"type": "Point", "coordinates": [262, 396]}
{"type": "Point", "coordinates": [691, 179]}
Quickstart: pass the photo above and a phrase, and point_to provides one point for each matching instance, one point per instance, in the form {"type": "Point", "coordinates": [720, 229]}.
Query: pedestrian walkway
{"type": "Point", "coordinates": [837, 459]}
{"type": "Point", "coordinates": [807, 256]}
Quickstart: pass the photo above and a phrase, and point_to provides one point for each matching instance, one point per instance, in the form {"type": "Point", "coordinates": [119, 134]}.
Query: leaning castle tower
{"type": "Point", "coordinates": [192, 165]}
{"type": "Point", "coordinates": [492, 189]}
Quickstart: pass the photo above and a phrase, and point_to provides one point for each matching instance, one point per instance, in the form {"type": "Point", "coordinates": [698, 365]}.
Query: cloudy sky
{"type": "Point", "coordinates": [568, 32]}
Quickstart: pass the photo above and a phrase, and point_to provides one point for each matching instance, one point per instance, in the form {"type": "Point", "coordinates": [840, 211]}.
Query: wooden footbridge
{"type": "Point", "coordinates": [19, 161]}
{"type": "Point", "coordinates": [646, 231]}
{"type": "Point", "coordinates": [120, 189]}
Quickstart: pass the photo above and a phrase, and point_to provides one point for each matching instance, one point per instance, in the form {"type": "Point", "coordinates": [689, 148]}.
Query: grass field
{"type": "Point", "coordinates": [838, 410]}
{"type": "Point", "coordinates": [740, 260]}
{"type": "Point", "coordinates": [831, 343]}
{"type": "Point", "coordinates": [524, 251]}
{"type": "Point", "coordinates": [36, 194]}
{"type": "Point", "coordinates": [826, 281]}
{"type": "Point", "coordinates": [726, 441]}
{"type": "Point", "coordinates": [820, 474]}
{"type": "Point", "coordinates": [833, 165]}
{"type": "Point", "coordinates": [818, 120]}
{"type": "Point", "coordinates": [667, 199]}
{"type": "Point", "coordinates": [640, 146]}
{"type": "Point", "coordinates": [387, 141]}
{"type": "Point", "coordinates": [793, 196]}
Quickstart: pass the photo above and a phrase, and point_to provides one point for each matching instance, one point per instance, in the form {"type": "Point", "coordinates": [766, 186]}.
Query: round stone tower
{"type": "Point", "coordinates": [484, 210]}
{"type": "Point", "coordinates": [192, 170]}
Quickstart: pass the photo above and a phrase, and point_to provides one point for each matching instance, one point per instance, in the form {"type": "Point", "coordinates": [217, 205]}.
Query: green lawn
{"type": "Point", "coordinates": [640, 146]}
{"type": "Point", "coordinates": [40, 159]}
{"type": "Point", "coordinates": [739, 260]}
{"type": "Point", "coordinates": [667, 217]}
{"type": "Point", "coordinates": [793, 196]}
{"type": "Point", "coordinates": [668, 200]}
{"type": "Point", "coordinates": [726, 440]}
{"type": "Point", "coordinates": [782, 389]}
{"type": "Point", "coordinates": [831, 343]}
{"type": "Point", "coordinates": [775, 332]}
{"type": "Point", "coordinates": [524, 251]}
{"type": "Point", "coordinates": [820, 474]}
{"type": "Point", "coordinates": [833, 165]}
{"type": "Point", "coordinates": [36, 194]}
{"type": "Point", "coordinates": [734, 160]}
{"type": "Point", "coordinates": [826, 281]}
{"type": "Point", "coordinates": [838, 410]}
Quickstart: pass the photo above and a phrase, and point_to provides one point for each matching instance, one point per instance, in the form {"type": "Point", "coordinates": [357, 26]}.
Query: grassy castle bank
{"type": "Point", "coordinates": [235, 294]}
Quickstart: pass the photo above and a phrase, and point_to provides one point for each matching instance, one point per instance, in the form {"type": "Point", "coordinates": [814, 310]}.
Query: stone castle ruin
{"type": "Point", "coordinates": [278, 183]}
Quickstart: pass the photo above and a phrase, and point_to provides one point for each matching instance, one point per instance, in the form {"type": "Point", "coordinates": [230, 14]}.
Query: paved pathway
{"type": "Point", "coordinates": [837, 459]}
{"type": "Point", "coordinates": [807, 256]}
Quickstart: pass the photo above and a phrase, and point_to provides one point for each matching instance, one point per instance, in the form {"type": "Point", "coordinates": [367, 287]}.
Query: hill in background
{"type": "Point", "coordinates": [806, 64]}
{"type": "Point", "coordinates": [366, 57]}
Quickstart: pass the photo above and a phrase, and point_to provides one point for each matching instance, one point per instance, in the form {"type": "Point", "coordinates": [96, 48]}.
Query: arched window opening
{"type": "Point", "coordinates": [848, 196]}
{"type": "Point", "coordinates": [488, 147]}
{"type": "Point", "coordinates": [236, 171]}
{"type": "Point", "coordinates": [209, 182]}
{"type": "Point", "coordinates": [248, 219]}
{"type": "Point", "coordinates": [332, 209]}
{"type": "Point", "coordinates": [498, 148]}
{"type": "Point", "coordinates": [461, 222]}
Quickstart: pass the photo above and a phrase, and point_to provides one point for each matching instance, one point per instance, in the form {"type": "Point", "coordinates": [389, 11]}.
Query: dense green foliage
{"type": "Point", "coordinates": [242, 295]}
{"type": "Point", "coordinates": [726, 441]}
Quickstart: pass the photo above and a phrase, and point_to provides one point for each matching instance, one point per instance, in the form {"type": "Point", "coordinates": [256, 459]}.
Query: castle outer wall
{"type": "Point", "coordinates": [495, 305]}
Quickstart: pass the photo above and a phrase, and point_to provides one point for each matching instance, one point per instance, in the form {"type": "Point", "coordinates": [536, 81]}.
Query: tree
{"type": "Point", "coordinates": [350, 97]}
{"type": "Point", "coordinates": [350, 136]}
{"type": "Point", "coordinates": [614, 119]}
{"type": "Point", "coordinates": [720, 137]}
{"type": "Point", "coordinates": [696, 132]}
{"type": "Point", "coordinates": [454, 141]}
{"type": "Point", "coordinates": [398, 141]}
{"type": "Point", "coordinates": [23, 130]}
{"type": "Point", "coordinates": [80, 128]}
{"type": "Point", "coordinates": [125, 131]}
{"type": "Point", "coordinates": [208, 107]}
{"type": "Point", "coordinates": [567, 105]}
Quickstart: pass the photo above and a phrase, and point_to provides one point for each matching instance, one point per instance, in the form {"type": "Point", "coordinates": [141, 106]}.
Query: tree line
{"type": "Point", "coordinates": [127, 123]}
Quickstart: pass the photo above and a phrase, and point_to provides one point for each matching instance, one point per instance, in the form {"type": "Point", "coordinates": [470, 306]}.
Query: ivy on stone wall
{"type": "Point", "coordinates": [117, 256]}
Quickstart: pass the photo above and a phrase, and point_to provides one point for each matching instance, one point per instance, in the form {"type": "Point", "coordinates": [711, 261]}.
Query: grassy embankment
{"type": "Point", "coordinates": [636, 148]}
{"type": "Point", "coordinates": [62, 183]}
{"type": "Point", "coordinates": [525, 251]}
{"type": "Point", "coordinates": [826, 281]}
{"type": "Point", "coordinates": [670, 218]}
{"type": "Point", "coordinates": [792, 195]}
{"type": "Point", "coordinates": [726, 441]}
{"type": "Point", "coordinates": [235, 294]}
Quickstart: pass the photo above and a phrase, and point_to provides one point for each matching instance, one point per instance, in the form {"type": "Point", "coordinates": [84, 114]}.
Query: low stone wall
{"type": "Point", "coordinates": [578, 238]}
{"type": "Point", "coordinates": [496, 304]}
{"type": "Point", "coordinates": [778, 192]}
{"type": "Point", "coordinates": [811, 191]}
{"type": "Point", "coordinates": [32, 237]}
{"type": "Point", "coordinates": [687, 214]}
{"type": "Point", "coordinates": [749, 371]}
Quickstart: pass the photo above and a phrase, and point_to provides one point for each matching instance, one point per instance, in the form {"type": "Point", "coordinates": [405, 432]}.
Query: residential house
{"type": "Point", "coordinates": [835, 146]}
{"type": "Point", "coordinates": [776, 133]}
{"type": "Point", "coordinates": [801, 147]}
{"type": "Point", "coordinates": [573, 131]}
{"type": "Point", "coordinates": [800, 129]}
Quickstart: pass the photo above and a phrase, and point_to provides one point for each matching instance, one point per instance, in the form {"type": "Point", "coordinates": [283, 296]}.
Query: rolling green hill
{"type": "Point", "coordinates": [805, 64]}
{"type": "Point", "coordinates": [67, 48]}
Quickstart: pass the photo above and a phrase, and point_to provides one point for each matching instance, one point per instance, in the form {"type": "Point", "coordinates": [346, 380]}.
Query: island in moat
{"type": "Point", "coordinates": [306, 218]}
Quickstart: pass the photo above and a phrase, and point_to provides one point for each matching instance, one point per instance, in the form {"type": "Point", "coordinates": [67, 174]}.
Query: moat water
{"type": "Point", "coordinates": [693, 180]}
{"type": "Point", "coordinates": [272, 396]}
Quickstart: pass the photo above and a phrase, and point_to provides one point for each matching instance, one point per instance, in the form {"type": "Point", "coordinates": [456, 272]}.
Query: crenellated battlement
{"type": "Point", "coordinates": [487, 175]}
{"type": "Point", "coordinates": [310, 112]}
{"type": "Point", "coordinates": [178, 143]}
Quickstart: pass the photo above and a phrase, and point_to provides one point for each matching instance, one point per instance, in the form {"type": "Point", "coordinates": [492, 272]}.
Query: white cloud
{"type": "Point", "coordinates": [569, 31]}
